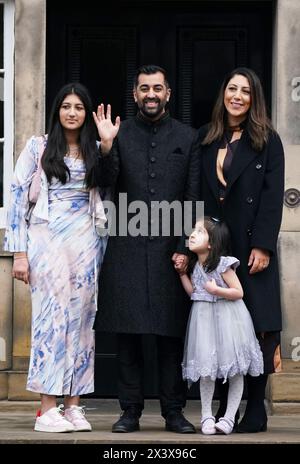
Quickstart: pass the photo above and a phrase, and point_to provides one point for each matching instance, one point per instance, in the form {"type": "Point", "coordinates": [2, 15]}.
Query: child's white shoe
{"type": "Point", "coordinates": [52, 421]}
{"type": "Point", "coordinates": [225, 425]}
{"type": "Point", "coordinates": [208, 425]}
{"type": "Point", "coordinates": [75, 415]}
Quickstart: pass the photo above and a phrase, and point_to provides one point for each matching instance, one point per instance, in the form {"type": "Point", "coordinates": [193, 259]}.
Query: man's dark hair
{"type": "Point", "coordinates": [149, 69]}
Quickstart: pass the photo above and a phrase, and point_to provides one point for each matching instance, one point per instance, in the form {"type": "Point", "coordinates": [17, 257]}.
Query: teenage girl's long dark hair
{"type": "Point", "coordinates": [258, 124]}
{"type": "Point", "coordinates": [219, 240]}
{"type": "Point", "coordinates": [53, 157]}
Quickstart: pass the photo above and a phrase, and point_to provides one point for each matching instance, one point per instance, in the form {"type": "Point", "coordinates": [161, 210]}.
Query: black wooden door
{"type": "Point", "coordinates": [197, 42]}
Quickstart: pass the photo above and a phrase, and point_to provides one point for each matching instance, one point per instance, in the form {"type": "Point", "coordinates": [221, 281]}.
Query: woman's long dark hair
{"type": "Point", "coordinates": [219, 240]}
{"type": "Point", "coordinates": [258, 124]}
{"type": "Point", "coordinates": [57, 147]}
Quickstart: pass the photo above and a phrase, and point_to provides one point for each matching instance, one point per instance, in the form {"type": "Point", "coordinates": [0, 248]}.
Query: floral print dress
{"type": "Point", "coordinates": [64, 253]}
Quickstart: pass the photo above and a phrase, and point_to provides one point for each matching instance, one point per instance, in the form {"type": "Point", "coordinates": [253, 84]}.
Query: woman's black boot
{"type": "Point", "coordinates": [255, 418]}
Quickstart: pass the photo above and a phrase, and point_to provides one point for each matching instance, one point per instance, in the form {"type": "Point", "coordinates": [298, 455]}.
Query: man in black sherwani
{"type": "Point", "coordinates": [154, 158]}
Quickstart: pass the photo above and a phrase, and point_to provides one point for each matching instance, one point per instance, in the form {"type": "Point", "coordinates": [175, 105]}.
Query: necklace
{"type": "Point", "coordinates": [74, 151]}
{"type": "Point", "coordinates": [235, 128]}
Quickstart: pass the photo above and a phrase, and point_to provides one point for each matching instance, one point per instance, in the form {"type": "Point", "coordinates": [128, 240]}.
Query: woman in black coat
{"type": "Point", "coordinates": [242, 182]}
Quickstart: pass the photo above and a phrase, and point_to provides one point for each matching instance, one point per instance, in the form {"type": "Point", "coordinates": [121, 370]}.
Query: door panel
{"type": "Point", "coordinates": [200, 72]}
{"type": "Point", "coordinates": [104, 58]}
{"type": "Point", "coordinates": [101, 45]}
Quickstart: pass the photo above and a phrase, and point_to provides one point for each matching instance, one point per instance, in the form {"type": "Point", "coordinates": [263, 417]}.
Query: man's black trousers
{"type": "Point", "coordinates": [171, 387]}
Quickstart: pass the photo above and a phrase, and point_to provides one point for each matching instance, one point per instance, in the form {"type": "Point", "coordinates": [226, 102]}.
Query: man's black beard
{"type": "Point", "coordinates": [152, 115]}
{"type": "Point", "coordinates": [158, 112]}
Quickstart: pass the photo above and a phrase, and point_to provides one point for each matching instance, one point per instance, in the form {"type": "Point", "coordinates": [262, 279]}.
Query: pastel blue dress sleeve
{"type": "Point", "coordinates": [15, 238]}
{"type": "Point", "coordinates": [227, 262]}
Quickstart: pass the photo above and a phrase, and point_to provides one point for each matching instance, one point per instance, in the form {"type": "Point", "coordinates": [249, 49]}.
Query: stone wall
{"type": "Point", "coordinates": [15, 309]}
{"type": "Point", "coordinates": [286, 117]}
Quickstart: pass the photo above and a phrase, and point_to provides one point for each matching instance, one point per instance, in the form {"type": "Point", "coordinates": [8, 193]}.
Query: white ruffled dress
{"type": "Point", "coordinates": [220, 339]}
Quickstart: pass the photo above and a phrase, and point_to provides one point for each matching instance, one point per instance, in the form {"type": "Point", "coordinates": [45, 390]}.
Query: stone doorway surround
{"type": "Point", "coordinates": [29, 119]}
{"type": "Point", "coordinates": [285, 387]}
{"type": "Point", "coordinates": [30, 75]}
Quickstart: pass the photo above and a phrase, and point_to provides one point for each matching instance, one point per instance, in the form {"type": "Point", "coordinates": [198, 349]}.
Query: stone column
{"type": "Point", "coordinates": [5, 324]}
{"type": "Point", "coordinates": [30, 52]}
{"type": "Point", "coordinates": [286, 118]}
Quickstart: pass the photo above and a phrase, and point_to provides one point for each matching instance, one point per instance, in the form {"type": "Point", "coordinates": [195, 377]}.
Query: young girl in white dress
{"type": "Point", "coordinates": [220, 339]}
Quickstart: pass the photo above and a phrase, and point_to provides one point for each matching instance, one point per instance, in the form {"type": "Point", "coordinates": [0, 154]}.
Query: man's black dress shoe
{"type": "Point", "coordinates": [176, 422]}
{"type": "Point", "coordinates": [128, 422]}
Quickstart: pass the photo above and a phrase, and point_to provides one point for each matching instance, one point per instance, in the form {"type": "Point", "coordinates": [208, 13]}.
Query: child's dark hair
{"type": "Point", "coordinates": [219, 240]}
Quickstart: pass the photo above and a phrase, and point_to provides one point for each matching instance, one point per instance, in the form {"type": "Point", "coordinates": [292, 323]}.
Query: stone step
{"type": "Point", "coordinates": [285, 409]}
{"type": "Point", "coordinates": [285, 386]}
{"type": "Point", "coordinates": [17, 428]}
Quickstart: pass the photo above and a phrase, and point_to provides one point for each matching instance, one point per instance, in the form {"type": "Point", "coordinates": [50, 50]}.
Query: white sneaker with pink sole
{"type": "Point", "coordinates": [75, 415]}
{"type": "Point", "coordinates": [52, 421]}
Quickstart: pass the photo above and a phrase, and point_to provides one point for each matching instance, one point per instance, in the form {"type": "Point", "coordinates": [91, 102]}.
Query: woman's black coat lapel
{"type": "Point", "coordinates": [209, 161]}
{"type": "Point", "coordinates": [243, 155]}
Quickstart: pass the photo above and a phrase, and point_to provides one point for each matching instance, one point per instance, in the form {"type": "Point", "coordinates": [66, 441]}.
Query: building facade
{"type": "Point", "coordinates": [46, 44]}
